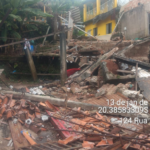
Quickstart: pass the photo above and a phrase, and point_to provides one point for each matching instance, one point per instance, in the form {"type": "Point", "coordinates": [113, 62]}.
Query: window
{"type": "Point", "coordinates": [89, 32]}
{"type": "Point", "coordinates": [108, 28]}
{"type": "Point", "coordinates": [95, 32]}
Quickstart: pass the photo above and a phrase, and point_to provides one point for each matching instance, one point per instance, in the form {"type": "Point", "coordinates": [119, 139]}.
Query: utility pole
{"type": "Point", "coordinates": [63, 66]}
{"type": "Point", "coordinates": [31, 63]}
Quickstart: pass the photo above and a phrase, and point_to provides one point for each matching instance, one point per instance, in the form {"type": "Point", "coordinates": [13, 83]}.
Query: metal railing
{"type": "Point", "coordinates": [107, 6]}
{"type": "Point", "coordinates": [91, 14]}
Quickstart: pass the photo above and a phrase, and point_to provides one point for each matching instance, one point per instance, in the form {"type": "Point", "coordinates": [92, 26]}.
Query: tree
{"type": "Point", "coordinates": [22, 12]}
{"type": "Point", "coordinates": [58, 7]}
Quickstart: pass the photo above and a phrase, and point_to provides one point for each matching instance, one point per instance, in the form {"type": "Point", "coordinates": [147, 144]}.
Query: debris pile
{"type": "Point", "coordinates": [78, 129]}
{"type": "Point", "coordinates": [104, 103]}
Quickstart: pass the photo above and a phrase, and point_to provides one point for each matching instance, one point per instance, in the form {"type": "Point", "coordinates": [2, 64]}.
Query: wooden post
{"type": "Point", "coordinates": [70, 34]}
{"type": "Point", "coordinates": [136, 77]}
{"type": "Point", "coordinates": [99, 76]}
{"type": "Point", "coordinates": [31, 64]}
{"type": "Point", "coordinates": [63, 66]}
{"type": "Point", "coordinates": [55, 26]}
{"type": "Point", "coordinates": [46, 34]}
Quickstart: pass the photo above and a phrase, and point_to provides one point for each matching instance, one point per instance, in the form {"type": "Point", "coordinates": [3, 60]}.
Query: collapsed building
{"type": "Point", "coordinates": [104, 103]}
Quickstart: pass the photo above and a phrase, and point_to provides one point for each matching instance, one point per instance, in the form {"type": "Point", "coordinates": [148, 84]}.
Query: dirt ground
{"type": "Point", "coordinates": [42, 137]}
{"type": "Point", "coordinates": [4, 133]}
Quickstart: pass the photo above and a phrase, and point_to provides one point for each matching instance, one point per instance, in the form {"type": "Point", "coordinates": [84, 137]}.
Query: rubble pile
{"type": "Point", "coordinates": [112, 67]}
{"type": "Point", "coordinates": [104, 103]}
{"type": "Point", "coordinates": [78, 129]}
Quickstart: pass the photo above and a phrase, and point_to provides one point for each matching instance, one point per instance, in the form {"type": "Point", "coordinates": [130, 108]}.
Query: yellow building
{"type": "Point", "coordinates": [100, 17]}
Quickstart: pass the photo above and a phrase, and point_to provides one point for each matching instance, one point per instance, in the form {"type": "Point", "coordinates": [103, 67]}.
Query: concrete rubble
{"type": "Point", "coordinates": [104, 103]}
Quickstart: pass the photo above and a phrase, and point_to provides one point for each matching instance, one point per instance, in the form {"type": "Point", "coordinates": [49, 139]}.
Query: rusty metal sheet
{"type": "Point", "coordinates": [18, 139]}
{"type": "Point", "coordinates": [144, 85]}
{"type": "Point", "coordinates": [60, 124]}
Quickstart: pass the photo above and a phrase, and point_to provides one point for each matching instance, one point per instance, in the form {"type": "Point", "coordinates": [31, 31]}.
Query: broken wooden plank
{"type": "Point", "coordinates": [120, 143]}
{"type": "Point", "coordinates": [31, 63]}
{"type": "Point", "coordinates": [71, 104]}
{"type": "Point", "coordinates": [125, 71]}
{"type": "Point", "coordinates": [90, 70]}
{"type": "Point", "coordinates": [132, 61]}
{"type": "Point", "coordinates": [110, 75]}
{"type": "Point", "coordinates": [136, 76]}
{"type": "Point", "coordinates": [39, 37]}
{"type": "Point", "coordinates": [90, 49]}
{"type": "Point", "coordinates": [18, 139]}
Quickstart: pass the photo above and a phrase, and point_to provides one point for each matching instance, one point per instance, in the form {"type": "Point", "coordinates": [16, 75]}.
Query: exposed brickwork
{"type": "Point", "coordinates": [111, 66]}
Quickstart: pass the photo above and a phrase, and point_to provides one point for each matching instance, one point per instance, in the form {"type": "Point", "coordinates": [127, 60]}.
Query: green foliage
{"type": "Point", "coordinates": [28, 2]}
{"type": "Point", "coordinates": [77, 33]}
{"type": "Point", "coordinates": [36, 12]}
{"type": "Point", "coordinates": [15, 24]}
{"type": "Point", "coordinates": [15, 35]}
{"type": "Point", "coordinates": [31, 27]}
{"type": "Point", "coordinates": [18, 18]}
{"type": "Point", "coordinates": [15, 3]}
{"type": "Point", "coordinates": [4, 35]}
{"type": "Point", "coordinates": [59, 6]}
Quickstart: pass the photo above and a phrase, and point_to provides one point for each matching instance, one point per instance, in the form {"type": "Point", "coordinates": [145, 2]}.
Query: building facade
{"type": "Point", "coordinates": [135, 22]}
{"type": "Point", "coordinates": [99, 17]}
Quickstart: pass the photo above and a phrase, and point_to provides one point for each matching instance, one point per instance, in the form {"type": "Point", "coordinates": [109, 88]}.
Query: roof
{"type": "Point", "coordinates": [132, 4]}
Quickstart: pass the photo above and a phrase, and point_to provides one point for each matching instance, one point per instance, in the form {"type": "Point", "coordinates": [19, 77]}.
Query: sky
{"type": "Point", "coordinates": [123, 2]}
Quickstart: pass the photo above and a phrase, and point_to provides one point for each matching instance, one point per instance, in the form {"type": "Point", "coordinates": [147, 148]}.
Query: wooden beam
{"type": "Point", "coordinates": [63, 65]}
{"type": "Point", "coordinates": [70, 103]}
{"type": "Point", "coordinates": [36, 38]}
{"type": "Point", "coordinates": [125, 71]}
{"type": "Point", "coordinates": [39, 74]}
{"type": "Point", "coordinates": [31, 64]}
{"type": "Point", "coordinates": [92, 68]}
{"type": "Point", "coordinates": [136, 76]}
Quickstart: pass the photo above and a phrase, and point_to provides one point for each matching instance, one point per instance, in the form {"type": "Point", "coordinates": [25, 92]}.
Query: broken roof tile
{"type": "Point", "coordinates": [88, 145]}
{"type": "Point", "coordinates": [70, 139]}
{"type": "Point", "coordinates": [79, 122]}
{"type": "Point", "coordinates": [105, 142]}
{"type": "Point", "coordinates": [12, 103]}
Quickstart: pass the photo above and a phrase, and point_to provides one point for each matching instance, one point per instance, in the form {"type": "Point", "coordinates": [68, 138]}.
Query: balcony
{"type": "Point", "coordinates": [91, 14]}
{"type": "Point", "coordinates": [102, 7]}
{"type": "Point", "coordinates": [107, 6]}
